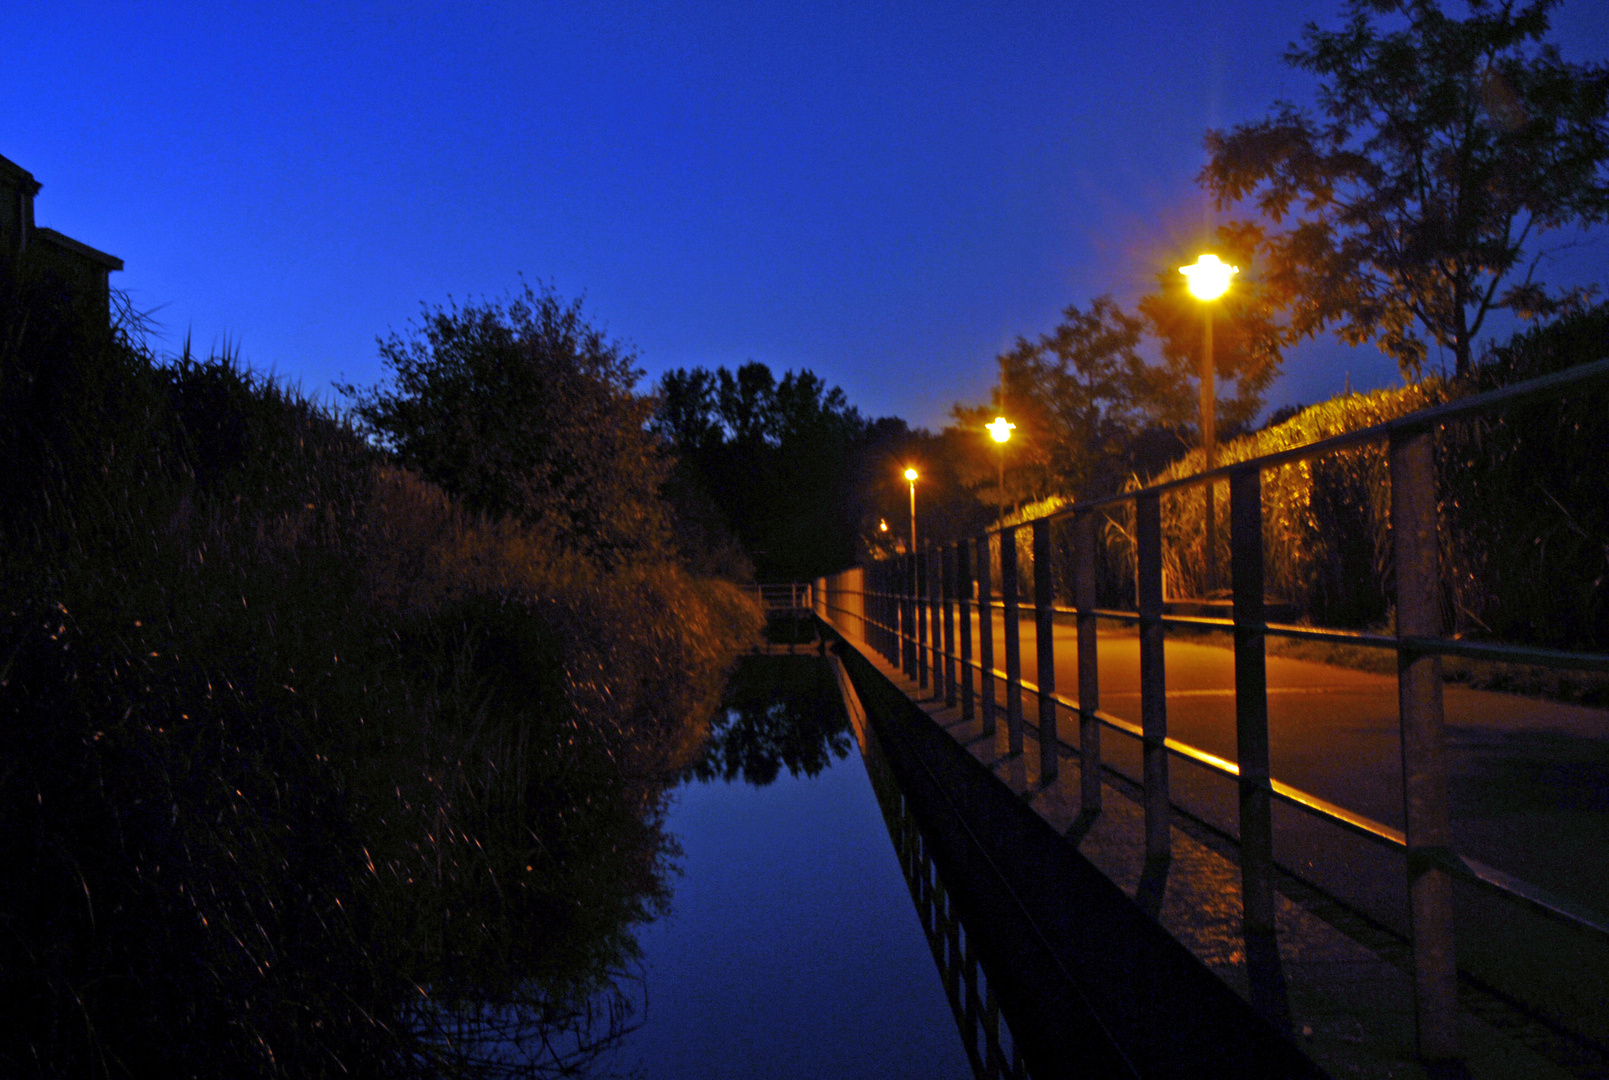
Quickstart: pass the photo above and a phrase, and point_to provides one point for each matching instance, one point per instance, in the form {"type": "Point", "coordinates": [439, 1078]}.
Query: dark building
{"type": "Point", "coordinates": [72, 267]}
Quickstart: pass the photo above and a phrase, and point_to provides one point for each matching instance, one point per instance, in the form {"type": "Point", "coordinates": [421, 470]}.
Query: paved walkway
{"type": "Point", "coordinates": [1529, 778]}
{"type": "Point", "coordinates": [1349, 993]}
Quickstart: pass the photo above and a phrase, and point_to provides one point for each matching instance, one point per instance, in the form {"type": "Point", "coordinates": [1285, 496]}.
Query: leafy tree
{"type": "Point", "coordinates": [1082, 397]}
{"type": "Point", "coordinates": [774, 455]}
{"type": "Point", "coordinates": [1443, 149]}
{"type": "Point", "coordinates": [523, 410]}
{"type": "Point", "coordinates": [948, 507]}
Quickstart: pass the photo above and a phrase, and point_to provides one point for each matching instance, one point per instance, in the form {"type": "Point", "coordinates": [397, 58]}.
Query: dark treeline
{"type": "Point", "coordinates": [322, 757]}
{"type": "Point", "coordinates": [796, 475]}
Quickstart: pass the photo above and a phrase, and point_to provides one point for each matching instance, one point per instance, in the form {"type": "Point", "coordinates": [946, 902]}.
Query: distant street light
{"type": "Point", "coordinates": [910, 474]}
{"type": "Point", "coordinates": [1001, 431]}
{"type": "Point", "coordinates": [1209, 279]}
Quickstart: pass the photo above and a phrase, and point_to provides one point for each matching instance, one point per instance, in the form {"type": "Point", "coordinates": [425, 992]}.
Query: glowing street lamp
{"type": "Point", "coordinates": [910, 474]}
{"type": "Point", "coordinates": [1001, 431]}
{"type": "Point", "coordinates": [1209, 279]}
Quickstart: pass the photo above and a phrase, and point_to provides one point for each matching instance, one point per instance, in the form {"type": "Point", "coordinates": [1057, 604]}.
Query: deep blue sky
{"type": "Point", "coordinates": [885, 193]}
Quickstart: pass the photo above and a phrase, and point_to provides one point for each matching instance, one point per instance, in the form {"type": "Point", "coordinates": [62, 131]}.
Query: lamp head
{"type": "Point", "coordinates": [1209, 277]}
{"type": "Point", "coordinates": [910, 474]}
{"type": "Point", "coordinates": [1000, 429]}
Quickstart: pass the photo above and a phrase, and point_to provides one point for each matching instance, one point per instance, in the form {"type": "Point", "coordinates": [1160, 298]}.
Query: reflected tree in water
{"type": "Point", "coordinates": [779, 711]}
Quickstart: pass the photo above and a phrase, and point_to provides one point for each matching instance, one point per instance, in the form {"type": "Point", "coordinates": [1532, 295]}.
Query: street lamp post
{"type": "Point", "coordinates": [1001, 431]}
{"type": "Point", "coordinates": [910, 474]}
{"type": "Point", "coordinates": [1209, 279]}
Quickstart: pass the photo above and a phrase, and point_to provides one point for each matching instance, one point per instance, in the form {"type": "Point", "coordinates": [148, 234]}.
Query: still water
{"type": "Point", "coordinates": [792, 948]}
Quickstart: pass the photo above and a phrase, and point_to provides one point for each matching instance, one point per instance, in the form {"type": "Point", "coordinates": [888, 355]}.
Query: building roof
{"type": "Point", "coordinates": [19, 176]}
{"type": "Point", "coordinates": [51, 236]}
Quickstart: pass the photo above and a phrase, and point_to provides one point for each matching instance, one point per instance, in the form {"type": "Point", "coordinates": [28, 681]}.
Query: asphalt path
{"type": "Point", "coordinates": [1528, 778]}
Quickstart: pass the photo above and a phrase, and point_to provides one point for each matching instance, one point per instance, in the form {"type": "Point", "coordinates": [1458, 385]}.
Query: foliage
{"type": "Point", "coordinates": [1443, 149]}
{"type": "Point", "coordinates": [309, 769]}
{"type": "Point", "coordinates": [1325, 538]}
{"type": "Point", "coordinates": [1523, 520]}
{"type": "Point", "coordinates": [1091, 410]}
{"type": "Point", "coordinates": [797, 474]}
{"type": "Point", "coordinates": [1076, 396]}
{"type": "Point", "coordinates": [524, 410]}
{"type": "Point", "coordinates": [946, 504]}
{"type": "Point", "coordinates": [1522, 493]}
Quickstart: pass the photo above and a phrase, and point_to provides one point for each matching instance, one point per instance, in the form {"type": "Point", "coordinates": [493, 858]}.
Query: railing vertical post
{"type": "Point", "coordinates": [1251, 701]}
{"type": "Point", "coordinates": [891, 611]}
{"type": "Point", "coordinates": [935, 619]}
{"type": "Point", "coordinates": [1045, 652]}
{"type": "Point", "coordinates": [924, 610]}
{"type": "Point", "coordinates": [1424, 765]}
{"type": "Point", "coordinates": [877, 605]}
{"type": "Point", "coordinates": [908, 615]}
{"type": "Point", "coordinates": [1012, 618]}
{"type": "Point", "coordinates": [963, 612]}
{"type": "Point", "coordinates": [1089, 683]}
{"type": "Point", "coordinates": [947, 605]}
{"type": "Point", "coordinates": [872, 589]}
{"type": "Point", "coordinates": [1153, 675]}
{"type": "Point", "coordinates": [985, 635]}
{"type": "Point", "coordinates": [921, 619]}
{"type": "Point", "coordinates": [885, 609]}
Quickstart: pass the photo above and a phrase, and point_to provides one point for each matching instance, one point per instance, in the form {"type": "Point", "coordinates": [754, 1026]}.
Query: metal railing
{"type": "Point", "coordinates": [793, 598]}
{"type": "Point", "coordinates": [915, 609]}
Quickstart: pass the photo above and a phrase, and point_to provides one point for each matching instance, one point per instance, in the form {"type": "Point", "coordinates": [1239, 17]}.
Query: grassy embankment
{"type": "Point", "coordinates": [306, 771]}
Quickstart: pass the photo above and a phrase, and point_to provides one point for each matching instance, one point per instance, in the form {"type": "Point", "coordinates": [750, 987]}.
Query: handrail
{"type": "Point", "coordinates": [907, 608]}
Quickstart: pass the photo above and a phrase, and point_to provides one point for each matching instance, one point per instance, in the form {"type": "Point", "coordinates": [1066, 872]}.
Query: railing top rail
{"type": "Point", "coordinates": [796, 595]}
{"type": "Point", "coordinates": [1542, 386]}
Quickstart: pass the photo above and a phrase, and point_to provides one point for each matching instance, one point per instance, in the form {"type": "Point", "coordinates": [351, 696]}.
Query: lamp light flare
{"type": "Point", "coordinates": [1208, 277]}
{"type": "Point", "coordinates": [1001, 430]}
{"type": "Point", "coordinates": [910, 474]}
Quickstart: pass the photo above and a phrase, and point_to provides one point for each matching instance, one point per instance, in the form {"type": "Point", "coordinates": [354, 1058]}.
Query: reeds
{"type": "Point", "coordinates": [305, 770]}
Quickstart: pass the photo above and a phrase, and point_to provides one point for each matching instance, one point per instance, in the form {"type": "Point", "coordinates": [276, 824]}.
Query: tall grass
{"type": "Point", "coordinates": [1326, 539]}
{"type": "Point", "coordinates": [1519, 491]}
{"type": "Point", "coordinates": [305, 770]}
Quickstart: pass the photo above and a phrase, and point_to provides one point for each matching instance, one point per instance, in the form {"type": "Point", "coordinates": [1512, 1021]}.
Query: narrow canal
{"type": "Point", "coordinates": [792, 948]}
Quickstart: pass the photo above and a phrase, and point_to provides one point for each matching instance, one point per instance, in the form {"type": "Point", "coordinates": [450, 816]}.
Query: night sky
{"type": "Point", "coordinates": [887, 194]}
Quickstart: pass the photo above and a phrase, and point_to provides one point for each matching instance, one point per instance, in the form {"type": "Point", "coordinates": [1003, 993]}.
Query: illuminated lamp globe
{"type": "Point", "coordinates": [1000, 429]}
{"type": "Point", "coordinates": [1208, 277]}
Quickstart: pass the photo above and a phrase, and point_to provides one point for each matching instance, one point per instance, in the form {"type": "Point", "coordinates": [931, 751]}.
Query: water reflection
{"type": "Point", "coordinates": [792, 948]}
{"type": "Point", "coordinates": [779, 712]}
{"type": "Point", "coordinates": [985, 1033]}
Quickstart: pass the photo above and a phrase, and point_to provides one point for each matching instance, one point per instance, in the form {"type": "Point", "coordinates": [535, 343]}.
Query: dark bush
{"type": "Point", "coordinates": [1523, 497]}
{"type": "Point", "coordinates": [304, 767]}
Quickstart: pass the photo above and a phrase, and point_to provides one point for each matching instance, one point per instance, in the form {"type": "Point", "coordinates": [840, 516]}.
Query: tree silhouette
{"type": "Point", "coordinates": [523, 410]}
{"type": "Point", "coordinates": [1443, 149]}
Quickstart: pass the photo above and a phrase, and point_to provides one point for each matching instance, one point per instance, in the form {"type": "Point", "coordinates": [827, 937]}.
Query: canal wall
{"type": "Point", "coordinates": [1337, 981]}
{"type": "Point", "coordinates": [1089, 984]}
